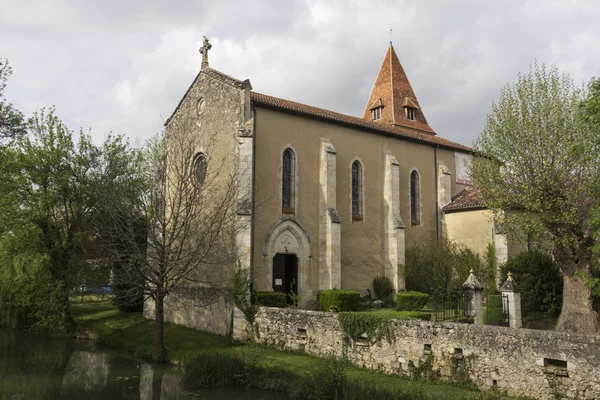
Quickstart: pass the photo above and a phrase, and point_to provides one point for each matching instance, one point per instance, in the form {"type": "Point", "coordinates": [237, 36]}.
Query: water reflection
{"type": "Point", "coordinates": [38, 367]}
{"type": "Point", "coordinates": [86, 371]}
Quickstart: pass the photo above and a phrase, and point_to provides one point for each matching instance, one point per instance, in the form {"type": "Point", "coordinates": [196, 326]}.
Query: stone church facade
{"type": "Point", "coordinates": [333, 200]}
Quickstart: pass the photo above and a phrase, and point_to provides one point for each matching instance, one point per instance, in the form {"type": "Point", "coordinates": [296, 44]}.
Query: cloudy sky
{"type": "Point", "coordinates": [123, 65]}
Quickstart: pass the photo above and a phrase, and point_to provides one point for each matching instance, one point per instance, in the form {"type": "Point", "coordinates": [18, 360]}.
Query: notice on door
{"type": "Point", "coordinates": [278, 282]}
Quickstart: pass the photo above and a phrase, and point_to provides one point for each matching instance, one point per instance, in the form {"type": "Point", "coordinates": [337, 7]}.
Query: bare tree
{"type": "Point", "coordinates": [185, 204]}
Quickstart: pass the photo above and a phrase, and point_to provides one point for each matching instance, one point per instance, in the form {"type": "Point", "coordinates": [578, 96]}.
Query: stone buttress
{"type": "Point", "coordinates": [393, 235]}
{"type": "Point", "coordinates": [330, 276]}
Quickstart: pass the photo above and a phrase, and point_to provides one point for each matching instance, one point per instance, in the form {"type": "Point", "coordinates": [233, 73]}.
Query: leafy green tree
{"type": "Point", "coordinates": [590, 106]}
{"type": "Point", "coordinates": [12, 123]}
{"type": "Point", "coordinates": [539, 280]}
{"type": "Point", "coordinates": [440, 268]}
{"type": "Point", "coordinates": [535, 173]}
{"type": "Point", "coordinates": [590, 113]}
{"type": "Point", "coordinates": [48, 200]}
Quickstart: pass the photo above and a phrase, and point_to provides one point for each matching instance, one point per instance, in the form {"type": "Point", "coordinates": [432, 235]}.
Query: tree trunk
{"type": "Point", "coordinates": [67, 315]}
{"type": "Point", "coordinates": [159, 331]}
{"type": "Point", "coordinates": [577, 314]}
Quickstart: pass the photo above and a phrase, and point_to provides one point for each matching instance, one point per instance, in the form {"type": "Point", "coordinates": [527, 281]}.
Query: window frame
{"type": "Point", "coordinates": [376, 113]}
{"type": "Point", "coordinates": [359, 190]}
{"type": "Point", "coordinates": [290, 207]}
{"type": "Point", "coordinates": [201, 155]}
{"type": "Point", "coordinates": [414, 197]}
{"type": "Point", "coordinates": [410, 113]}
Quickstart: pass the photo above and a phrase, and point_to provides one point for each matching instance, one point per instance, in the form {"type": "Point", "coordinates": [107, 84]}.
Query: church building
{"type": "Point", "coordinates": [334, 200]}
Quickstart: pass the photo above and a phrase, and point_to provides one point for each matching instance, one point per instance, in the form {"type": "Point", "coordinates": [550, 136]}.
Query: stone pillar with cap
{"type": "Point", "coordinates": [513, 295]}
{"type": "Point", "coordinates": [473, 291]}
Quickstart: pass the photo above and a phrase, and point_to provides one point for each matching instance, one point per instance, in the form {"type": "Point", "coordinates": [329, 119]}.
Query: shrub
{"type": "Point", "coordinates": [342, 300]}
{"type": "Point", "coordinates": [271, 299]}
{"type": "Point", "coordinates": [442, 267]}
{"type": "Point", "coordinates": [411, 301]}
{"type": "Point", "coordinates": [384, 289]}
{"type": "Point", "coordinates": [424, 315]}
{"type": "Point", "coordinates": [539, 279]}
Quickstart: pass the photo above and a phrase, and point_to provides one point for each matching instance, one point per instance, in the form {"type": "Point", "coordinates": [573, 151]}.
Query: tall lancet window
{"type": "Point", "coordinates": [287, 181]}
{"type": "Point", "coordinates": [200, 167]}
{"type": "Point", "coordinates": [415, 201]}
{"type": "Point", "coordinates": [357, 182]}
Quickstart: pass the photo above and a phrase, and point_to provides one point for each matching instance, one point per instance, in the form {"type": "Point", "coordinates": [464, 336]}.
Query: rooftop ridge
{"type": "Point", "coordinates": [304, 109]}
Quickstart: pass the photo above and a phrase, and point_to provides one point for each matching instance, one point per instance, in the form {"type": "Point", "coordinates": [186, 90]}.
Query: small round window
{"type": "Point", "coordinates": [200, 166]}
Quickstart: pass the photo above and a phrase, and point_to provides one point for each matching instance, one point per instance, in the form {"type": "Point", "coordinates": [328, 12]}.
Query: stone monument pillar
{"type": "Point", "coordinates": [473, 291]}
{"type": "Point", "coordinates": [513, 295]}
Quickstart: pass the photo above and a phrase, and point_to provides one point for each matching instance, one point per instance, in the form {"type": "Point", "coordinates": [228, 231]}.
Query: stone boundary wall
{"type": "Point", "coordinates": [526, 362]}
{"type": "Point", "coordinates": [190, 309]}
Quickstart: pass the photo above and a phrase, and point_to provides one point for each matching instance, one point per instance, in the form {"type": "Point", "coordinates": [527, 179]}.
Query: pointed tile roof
{"type": "Point", "coordinates": [393, 89]}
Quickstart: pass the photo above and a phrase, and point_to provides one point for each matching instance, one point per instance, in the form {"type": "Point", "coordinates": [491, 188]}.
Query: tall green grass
{"type": "Point", "coordinates": [218, 368]}
{"type": "Point", "coordinates": [326, 380]}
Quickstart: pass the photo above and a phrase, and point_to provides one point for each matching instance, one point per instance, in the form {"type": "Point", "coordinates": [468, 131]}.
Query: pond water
{"type": "Point", "coordinates": [37, 367]}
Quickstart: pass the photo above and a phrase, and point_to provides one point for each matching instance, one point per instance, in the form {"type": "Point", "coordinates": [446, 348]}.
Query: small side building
{"type": "Point", "coordinates": [469, 223]}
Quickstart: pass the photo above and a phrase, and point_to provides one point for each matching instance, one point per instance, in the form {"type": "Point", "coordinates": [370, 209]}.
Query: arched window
{"type": "Point", "coordinates": [357, 182]}
{"type": "Point", "coordinates": [415, 201]}
{"type": "Point", "coordinates": [287, 181]}
{"type": "Point", "coordinates": [200, 166]}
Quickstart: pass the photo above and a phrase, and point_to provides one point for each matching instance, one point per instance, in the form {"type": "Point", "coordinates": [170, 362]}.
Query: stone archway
{"type": "Point", "coordinates": [287, 236]}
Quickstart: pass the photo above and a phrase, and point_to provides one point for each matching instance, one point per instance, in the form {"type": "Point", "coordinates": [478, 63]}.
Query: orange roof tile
{"type": "Point", "coordinates": [389, 130]}
{"type": "Point", "coordinates": [395, 91]}
{"type": "Point", "coordinates": [468, 198]}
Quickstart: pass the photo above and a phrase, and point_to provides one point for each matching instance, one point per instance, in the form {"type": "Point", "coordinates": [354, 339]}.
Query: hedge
{"type": "Point", "coordinates": [424, 315]}
{"type": "Point", "coordinates": [411, 301]}
{"type": "Point", "coordinates": [342, 300]}
{"type": "Point", "coordinates": [271, 299]}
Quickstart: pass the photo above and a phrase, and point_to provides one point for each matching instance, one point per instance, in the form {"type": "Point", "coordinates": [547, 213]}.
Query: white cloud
{"type": "Point", "coordinates": [123, 66]}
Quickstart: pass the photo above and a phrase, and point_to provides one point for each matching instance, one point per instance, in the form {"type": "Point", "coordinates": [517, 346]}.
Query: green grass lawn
{"type": "Point", "coordinates": [132, 332]}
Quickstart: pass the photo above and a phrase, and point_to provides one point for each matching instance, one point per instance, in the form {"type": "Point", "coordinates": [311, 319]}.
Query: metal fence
{"type": "Point", "coordinates": [455, 306]}
{"type": "Point", "coordinates": [495, 308]}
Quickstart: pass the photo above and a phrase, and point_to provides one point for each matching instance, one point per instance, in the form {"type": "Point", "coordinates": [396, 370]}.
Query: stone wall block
{"type": "Point", "coordinates": [515, 360]}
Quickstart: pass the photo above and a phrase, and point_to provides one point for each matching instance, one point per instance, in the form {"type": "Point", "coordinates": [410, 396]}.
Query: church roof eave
{"type": "Point", "coordinates": [356, 122]}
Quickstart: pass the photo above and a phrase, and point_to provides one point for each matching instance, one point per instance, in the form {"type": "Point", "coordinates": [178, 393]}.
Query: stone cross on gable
{"type": "Point", "coordinates": [206, 46]}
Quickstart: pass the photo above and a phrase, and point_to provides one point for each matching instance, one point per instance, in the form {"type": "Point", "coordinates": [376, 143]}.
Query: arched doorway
{"type": "Point", "coordinates": [287, 256]}
{"type": "Point", "coordinates": [285, 273]}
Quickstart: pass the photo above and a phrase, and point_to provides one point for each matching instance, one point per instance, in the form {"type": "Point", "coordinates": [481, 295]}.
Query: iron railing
{"type": "Point", "coordinates": [496, 310]}
{"type": "Point", "coordinates": [454, 306]}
